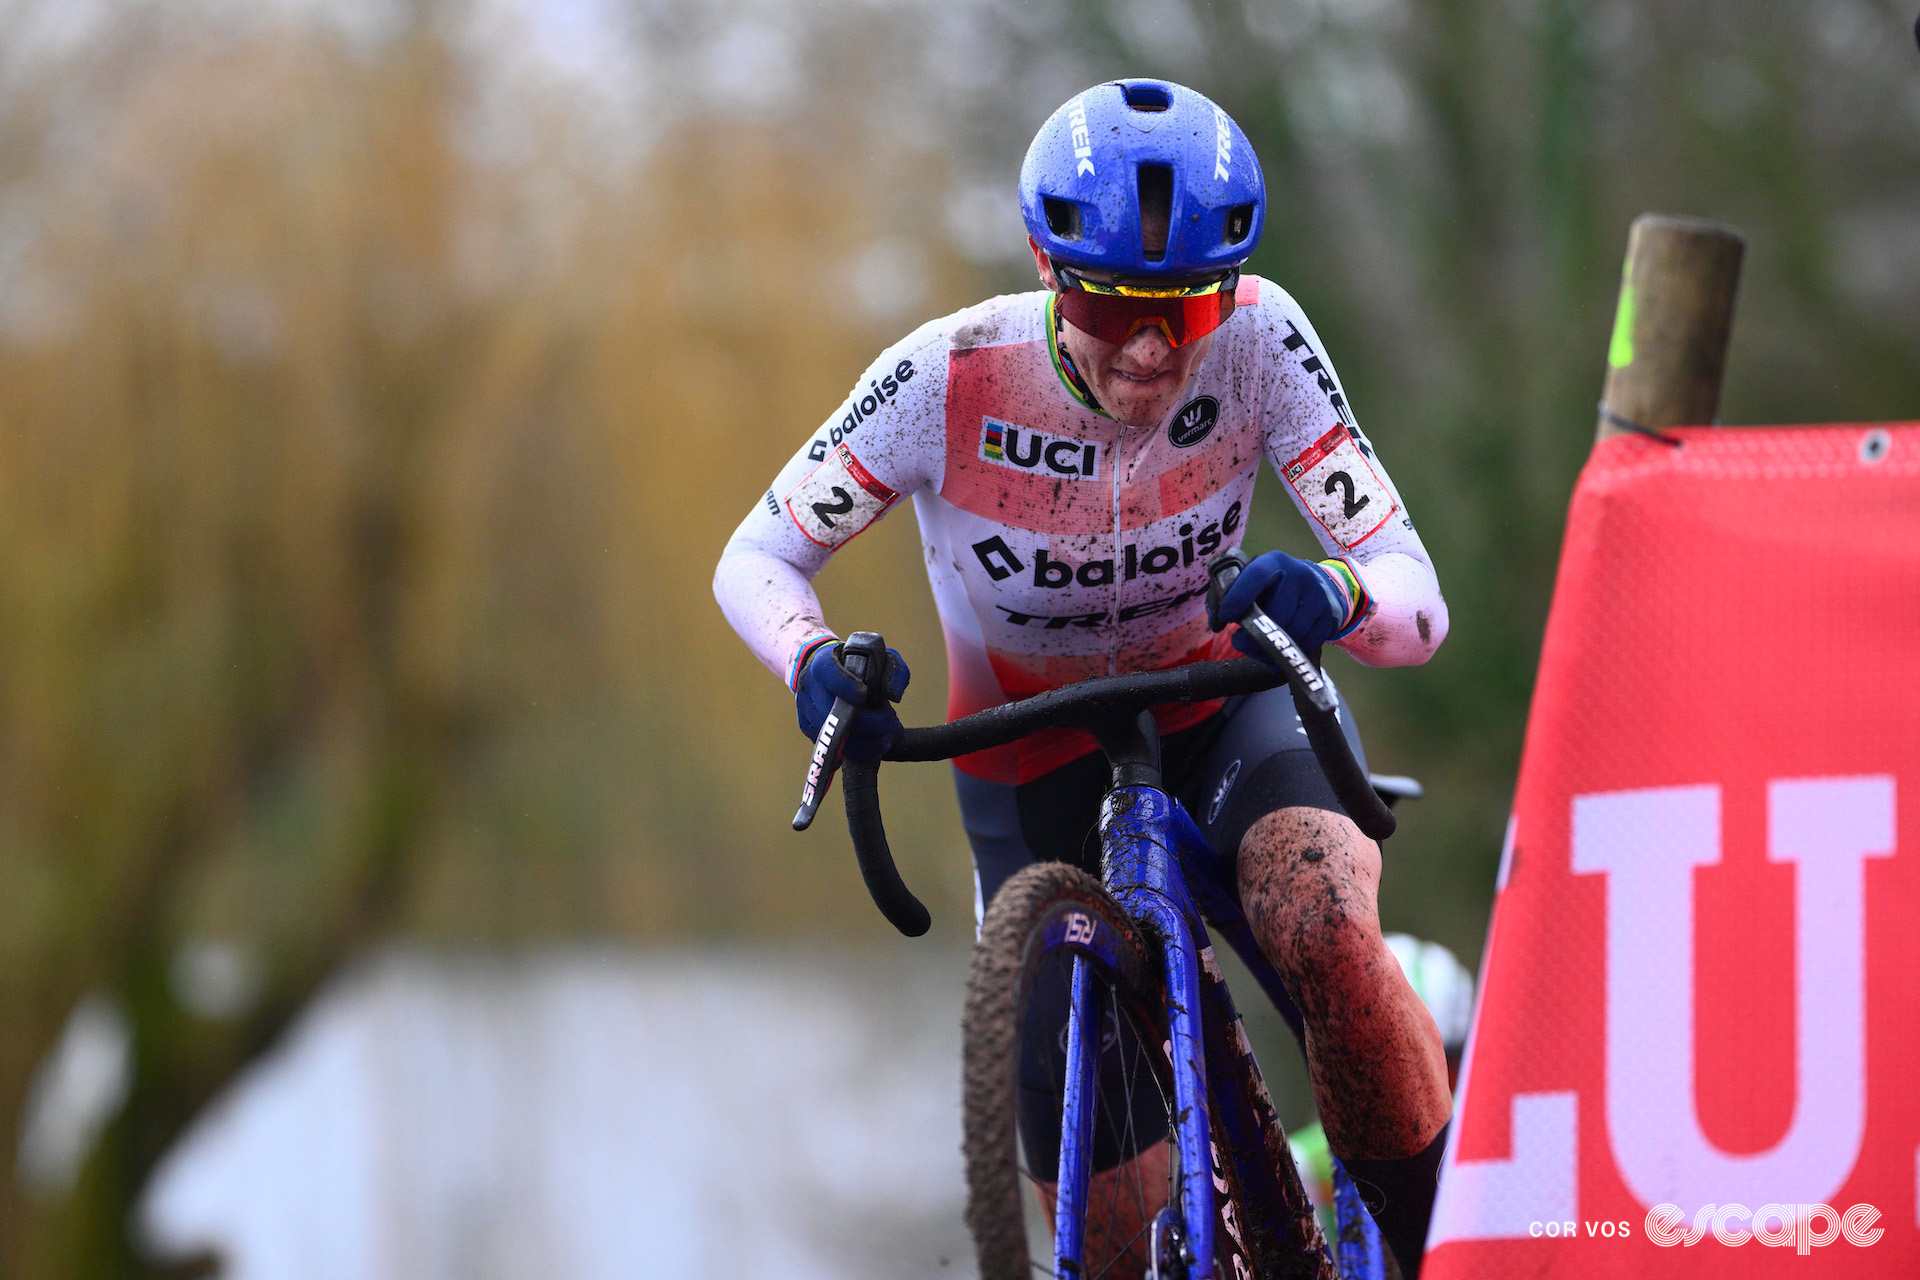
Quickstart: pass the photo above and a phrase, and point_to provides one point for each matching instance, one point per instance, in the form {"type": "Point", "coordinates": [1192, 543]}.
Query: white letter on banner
{"type": "Point", "coordinates": [1648, 844]}
{"type": "Point", "coordinates": [1501, 1199]}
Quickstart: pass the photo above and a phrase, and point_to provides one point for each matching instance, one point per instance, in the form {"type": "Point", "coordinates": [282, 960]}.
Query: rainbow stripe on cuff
{"type": "Point", "coordinates": [1359, 599]}
{"type": "Point", "coordinates": [804, 654]}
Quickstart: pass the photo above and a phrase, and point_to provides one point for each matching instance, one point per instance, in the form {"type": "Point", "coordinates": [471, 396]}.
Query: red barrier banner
{"type": "Point", "coordinates": [1697, 1050]}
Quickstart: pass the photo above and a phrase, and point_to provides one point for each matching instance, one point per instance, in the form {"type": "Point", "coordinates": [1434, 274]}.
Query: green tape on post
{"type": "Point", "coordinates": [1620, 350]}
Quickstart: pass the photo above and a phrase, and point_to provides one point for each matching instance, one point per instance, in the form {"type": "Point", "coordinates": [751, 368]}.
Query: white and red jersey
{"type": "Point", "coordinates": [1061, 544]}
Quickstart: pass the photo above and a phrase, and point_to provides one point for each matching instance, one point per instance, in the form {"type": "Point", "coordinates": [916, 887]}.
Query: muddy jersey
{"type": "Point", "coordinates": [1061, 544]}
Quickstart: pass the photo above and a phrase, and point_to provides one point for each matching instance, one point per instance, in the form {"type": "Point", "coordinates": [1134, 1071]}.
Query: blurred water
{"type": "Point", "coordinates": [589, 1114]}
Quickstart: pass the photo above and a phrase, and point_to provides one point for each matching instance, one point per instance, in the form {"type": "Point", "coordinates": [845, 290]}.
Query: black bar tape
{"type": "Point", "coordinates": [860, 782]}
{"type": "Point", "coordinates": [1349, 781]}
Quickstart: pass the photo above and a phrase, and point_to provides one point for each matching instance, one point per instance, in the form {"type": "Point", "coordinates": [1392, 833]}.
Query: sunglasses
{"type": "Point", "coordinates": [1115, 312]}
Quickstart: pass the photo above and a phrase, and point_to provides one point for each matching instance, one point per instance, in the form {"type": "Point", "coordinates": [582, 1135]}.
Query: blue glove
{"type": "Point", "coordinates": [823, 679]}
{"type": "Point", "coordinates": [1299, 595]}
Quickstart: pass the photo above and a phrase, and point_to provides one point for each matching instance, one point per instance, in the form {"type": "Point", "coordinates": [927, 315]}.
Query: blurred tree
{"type": "Point", "coordinates": [215, 527]}
{"type": "Point", "coordinates": [358, 498]}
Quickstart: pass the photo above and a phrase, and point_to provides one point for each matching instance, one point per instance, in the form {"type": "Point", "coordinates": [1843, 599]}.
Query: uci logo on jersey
{"type": "Point", "coordinates": [1007, 444]}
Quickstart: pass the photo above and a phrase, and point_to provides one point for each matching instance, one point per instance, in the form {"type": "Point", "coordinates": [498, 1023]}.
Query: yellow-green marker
{"type": "Point", "coordinates": [1620, 350]}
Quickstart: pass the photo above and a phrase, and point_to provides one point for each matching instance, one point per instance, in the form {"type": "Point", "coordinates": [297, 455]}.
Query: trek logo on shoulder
{"type": "Point", "coordinates": [880, 391]}
{"type": "Point", "coordinates": [1312, 363]}
{"type": "Point", "coordinates": [1008, 444]}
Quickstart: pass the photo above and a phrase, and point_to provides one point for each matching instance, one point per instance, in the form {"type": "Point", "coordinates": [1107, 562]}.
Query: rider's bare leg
{"type": "Point", "coordinates": [1309, 882]}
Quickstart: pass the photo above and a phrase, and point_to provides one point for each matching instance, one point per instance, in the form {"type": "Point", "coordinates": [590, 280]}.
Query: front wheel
{"type": "Point", "coordinates": [1014, 1033]}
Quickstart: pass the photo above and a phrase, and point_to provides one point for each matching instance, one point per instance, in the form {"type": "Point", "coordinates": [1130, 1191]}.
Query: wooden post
{"type": "Point", "coordinates": [1669, 345]}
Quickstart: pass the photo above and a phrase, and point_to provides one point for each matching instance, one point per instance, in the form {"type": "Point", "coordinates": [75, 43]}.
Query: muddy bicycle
{"type": "Point", "coordinates": [1116, 1122]}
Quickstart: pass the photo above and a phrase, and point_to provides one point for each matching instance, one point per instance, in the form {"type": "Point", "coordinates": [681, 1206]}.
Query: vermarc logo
{"type": "Point", "coordinates": [1194, 422]}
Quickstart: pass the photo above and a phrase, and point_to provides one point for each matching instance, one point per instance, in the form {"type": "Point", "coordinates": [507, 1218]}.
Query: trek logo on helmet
{"type": "Point", "coordinates": [1082, 142]}
{"type": "Point", "coordinates": [1222, 145]}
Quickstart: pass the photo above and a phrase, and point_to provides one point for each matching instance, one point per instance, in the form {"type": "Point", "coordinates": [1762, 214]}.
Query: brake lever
{"type": "Point", "coordinates": [1275, 645]}
{"type": "Point", "coordinates": [1313, 699]}
{"type": "Point", "coordinates": [860, 654]}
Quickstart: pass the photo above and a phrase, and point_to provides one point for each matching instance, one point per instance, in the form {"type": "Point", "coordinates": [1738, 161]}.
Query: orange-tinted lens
{"type": "Point", "coordinates": [1116, 319]}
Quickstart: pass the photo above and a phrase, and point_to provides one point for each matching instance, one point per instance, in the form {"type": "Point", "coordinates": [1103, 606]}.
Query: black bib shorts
{"type": "Point", "coordinates": [1229, 771]}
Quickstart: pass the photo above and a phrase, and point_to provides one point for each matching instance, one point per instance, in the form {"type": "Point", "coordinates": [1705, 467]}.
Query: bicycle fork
{"type": "Point", "coordinates": [1137, 846]}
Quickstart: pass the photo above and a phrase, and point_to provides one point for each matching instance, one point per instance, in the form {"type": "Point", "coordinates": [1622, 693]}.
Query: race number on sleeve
{"type": "Point", "coordinates": [1338, 484]}
{"type": "Point", "coordinates": [838, 499]}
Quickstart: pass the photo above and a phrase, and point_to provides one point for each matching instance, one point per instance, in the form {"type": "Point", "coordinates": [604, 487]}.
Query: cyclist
{"type": "Point", "coordinates": [1446, 988]}
{"type": "Point", "coordinates": [1075, 456]}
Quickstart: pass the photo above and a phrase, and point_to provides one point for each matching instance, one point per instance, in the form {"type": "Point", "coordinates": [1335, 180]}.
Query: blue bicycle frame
{"type": "Point", "coordinates": [1152, 852]}
{"type": "Point", "coordinates": [1164, 875]}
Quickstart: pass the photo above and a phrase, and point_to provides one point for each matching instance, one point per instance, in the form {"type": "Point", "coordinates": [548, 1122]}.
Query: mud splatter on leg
{"type": "Point", "coordinates": [1309, 883]}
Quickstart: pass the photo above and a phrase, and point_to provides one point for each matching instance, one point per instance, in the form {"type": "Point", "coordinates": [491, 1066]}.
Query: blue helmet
{"type": "Point", "coordinates": [1097, 157]}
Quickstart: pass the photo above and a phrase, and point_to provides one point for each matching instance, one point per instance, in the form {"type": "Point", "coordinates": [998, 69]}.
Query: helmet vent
{"type": "Point", "coordinates": [1063, 217]}
{"type": "Point", "coordinates": [1239, 222]}
{"type": "Point", "coordinates": [1156, 209]}
{"type": "Point", "coordinates": [1147, 97]}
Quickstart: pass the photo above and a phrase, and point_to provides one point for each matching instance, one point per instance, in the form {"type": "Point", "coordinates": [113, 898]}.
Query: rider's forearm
{"type": "Point", "coordinates": [1409, 617]}
{"type": "Point", "coordinates": [771, 603]}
